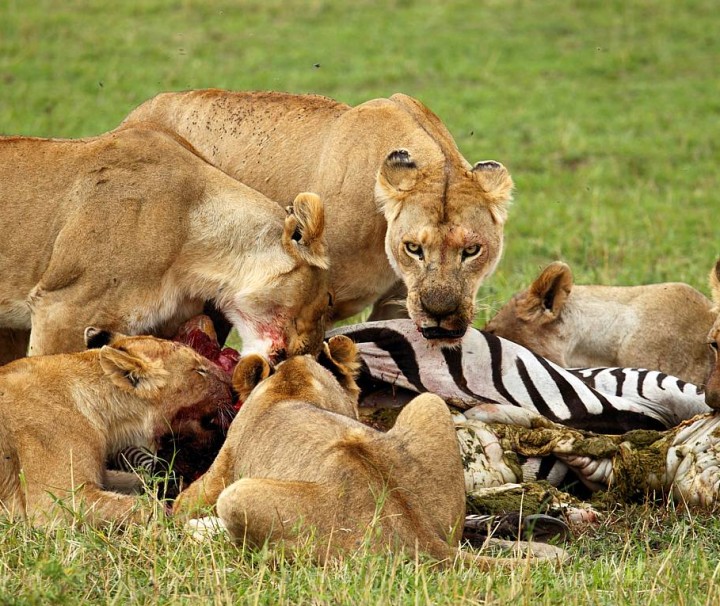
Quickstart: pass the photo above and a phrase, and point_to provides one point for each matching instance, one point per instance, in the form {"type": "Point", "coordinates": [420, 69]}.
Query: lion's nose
{"type": "Point", "coordinates": [439, 303]}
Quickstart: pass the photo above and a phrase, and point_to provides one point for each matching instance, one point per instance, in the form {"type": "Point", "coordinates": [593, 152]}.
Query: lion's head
{"type": "Point", "coordinates": [444, 235]}
{"type": "Point", "coordinates": [279, 306]}
{"type": "Point", "coordinates": [186, 392]}
{"type": "Point", "coordinates": [328, 382]}
{"type": "Point", "coordinates": [534, 317]}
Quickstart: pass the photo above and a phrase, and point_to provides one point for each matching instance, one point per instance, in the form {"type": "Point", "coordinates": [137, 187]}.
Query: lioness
{"type": "Point", "coordinates": [62, 415]}
{"type": "Point", "coordinates": [132, 232]}
{"type": "Point", "coordinates": [403, 205]}
{"type": "Point", "coordinates": [297, 460]}
{"type": "Point", "coordinates": [712, 389]}
{"type": "Point", "coordinates": [655, 326]}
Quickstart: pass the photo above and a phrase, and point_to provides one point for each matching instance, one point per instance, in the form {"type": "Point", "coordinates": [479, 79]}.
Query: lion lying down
{"type": "Point", "coordinates": [298, 464]}
{"type": "Point", "coordinates": [62, 415]}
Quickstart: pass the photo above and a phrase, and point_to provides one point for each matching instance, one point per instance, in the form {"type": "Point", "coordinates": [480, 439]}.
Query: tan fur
{"type": "Point", "coordinates": [712, 389]}
{"type": "Point", "coordinates": [389, 173]}
{"type": "Point", "coordinates": [132, 232]}
{"type": "Point", "coordinates": [655, 326]}
{"type": "Point", "coordinates": [61, 416]}
{"type": "Point", "coordinates": [296, 460]}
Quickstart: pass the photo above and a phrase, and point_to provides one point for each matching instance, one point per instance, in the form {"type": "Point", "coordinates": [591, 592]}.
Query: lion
{"type": "Point", "coordinates": [654, 326]}
{"type": "Point", "coordinates": [712, 388]}
{"type": "Point", "coordinates": [298, 466]}
{"type": "Point", "coordinates": [62, 415]}
{"type": "Point", "coordinates": [407, 214]}
{"type": "Point", "coordinates": [132, 232]}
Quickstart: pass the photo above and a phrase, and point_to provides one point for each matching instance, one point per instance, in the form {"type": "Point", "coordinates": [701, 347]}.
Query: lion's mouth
{"type": "Point", "coordinates": [438, 332]}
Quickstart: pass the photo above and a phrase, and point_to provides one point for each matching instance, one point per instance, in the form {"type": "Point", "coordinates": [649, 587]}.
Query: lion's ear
{"type": "Point", "coordinates": [551, 289]}
{"type": "Point", "coordinates": [249, 371]}
{"type": "Point", "coordinates": [132, 371]}
{"type": "Point", "coordinates": [340, 356]}
{"type": "Point", "coordinates": [715, 283]}
{"type": "Point", "coordinates": [95, 338]}
{"type": "Point", "coordinates": [399, 171]}
{"type": "Point", "coordinates": [304, 232]}
{"type": "Point", "coordinates": [497, 184]}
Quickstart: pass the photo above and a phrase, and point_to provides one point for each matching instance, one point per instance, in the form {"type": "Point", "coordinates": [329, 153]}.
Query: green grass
{"type": "Point", "coordinates": [607, 116]}
{"type": "Point", "coordinates": [640, 555]}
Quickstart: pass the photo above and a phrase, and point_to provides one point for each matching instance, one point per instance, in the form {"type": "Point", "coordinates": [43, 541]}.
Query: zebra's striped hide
{"type": "Point", "coordinates": [399, 362]}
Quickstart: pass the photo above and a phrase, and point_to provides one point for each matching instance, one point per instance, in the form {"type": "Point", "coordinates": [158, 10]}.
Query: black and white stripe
{"type": "Point", "coordinates": [488, 369]}
{"type": "Point", "coordinates": [136, 458]}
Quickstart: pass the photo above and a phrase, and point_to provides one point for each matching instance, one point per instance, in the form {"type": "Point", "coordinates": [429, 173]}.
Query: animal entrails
{"type": "Point", "coordinates": [62, 415]}
{"type": "Point", "coordinates": [132, 231]}
{"type": "Point", "coordinates": [655, 326]}
{"type": "Point", "coordinates": [407, 214]}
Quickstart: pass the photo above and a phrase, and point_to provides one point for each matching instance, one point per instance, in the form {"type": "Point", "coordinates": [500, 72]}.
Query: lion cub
{"type": "Point", "coordinates": [655, 326]}
{"type": "Point", "coordinates": [62, 415]}
{"type": "Point", "coordinates": [296, 461]}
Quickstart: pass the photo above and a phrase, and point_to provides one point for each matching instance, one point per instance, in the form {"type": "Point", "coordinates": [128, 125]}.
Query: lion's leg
{"type": "Point", "coordinates": [204, 491]}
{"type": "Point", "coordinates": [13, 344]}
{"type": "Point", "coordinates": [427, 449]}
{"type": "Point", "coordinates": [57, 330]}
{"type": "Point", "coordinates": [391, 304]}
{"type": "Point", "coordinates": [260, 510]}
{"type": "Point", "coordinates": [95, 505]}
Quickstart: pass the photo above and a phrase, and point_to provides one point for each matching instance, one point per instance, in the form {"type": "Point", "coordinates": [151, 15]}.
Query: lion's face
{"type": "Point", "coordinates": [444, 237]}
{"type": "Point", "coordinates": [297, 304]}
{"type": "Point", "coordinates": [285, 315]}
{"type": "Point", "coordinates": [186, 390]}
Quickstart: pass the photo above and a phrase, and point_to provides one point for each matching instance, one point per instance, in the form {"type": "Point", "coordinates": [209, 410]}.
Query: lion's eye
{"type": "Point", "coordinates": [471, 251]}
{"type": "Point", "coordinates": [331, 300]}
{"type": "Point", "coordinates": [414, 250]}
{"type": "Point", "coordinates": [202, 372]}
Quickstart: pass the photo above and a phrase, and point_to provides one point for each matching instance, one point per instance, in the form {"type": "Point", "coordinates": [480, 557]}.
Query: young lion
{"type": "Point", "coordinates": [408, 216]}
{"type": "Point", "coordinates": [132, 232]}
{"type": "Point", "coordinates": [297, 460]}
{"type": "Point", "coordinates": [655, 326]}
{"type": "Point", "coordinates": [62, 415]}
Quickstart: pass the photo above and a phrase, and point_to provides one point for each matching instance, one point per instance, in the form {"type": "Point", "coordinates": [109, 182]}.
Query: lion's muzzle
{"type": "Point", "coordinates": [437, 332]}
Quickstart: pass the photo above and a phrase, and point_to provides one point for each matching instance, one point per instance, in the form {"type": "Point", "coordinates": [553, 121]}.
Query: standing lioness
{"type": "Point", "coordinates": [132, 232]}
{"type": "Point", "coordinates": [62, 415]}
{"type": "Point", "coordinates": [402, 203]}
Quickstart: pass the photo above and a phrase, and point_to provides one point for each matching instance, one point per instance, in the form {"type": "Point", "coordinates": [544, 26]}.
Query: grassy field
{"type": "Point", "coordinates": [606, 116]}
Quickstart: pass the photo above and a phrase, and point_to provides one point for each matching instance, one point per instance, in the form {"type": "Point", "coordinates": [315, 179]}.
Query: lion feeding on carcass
{"type": "Point", "coordinates": [405, 211]}
{"type": "Point", "coordinates": [132, 232]}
